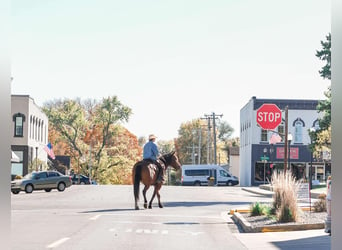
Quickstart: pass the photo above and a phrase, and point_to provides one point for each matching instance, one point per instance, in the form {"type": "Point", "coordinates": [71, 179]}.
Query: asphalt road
{"type": "Point", "coordinates": [103, 217]}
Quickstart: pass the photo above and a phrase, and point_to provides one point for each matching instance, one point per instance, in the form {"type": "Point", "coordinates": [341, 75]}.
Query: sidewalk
{"type": "Point", "coordinates": [309, 239]}
{"type": "Point", "coordinates": [294, 240]}
{"type": "Point", "coordinates": [257, 190]}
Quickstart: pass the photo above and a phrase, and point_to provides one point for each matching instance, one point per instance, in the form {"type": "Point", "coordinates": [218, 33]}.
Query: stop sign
{"type": "Point", "coordinates": [269, 116]}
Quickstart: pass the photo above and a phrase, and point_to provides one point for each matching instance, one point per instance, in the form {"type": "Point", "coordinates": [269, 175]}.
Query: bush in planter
{"type": "Point", "coordinates": [321, 204]}
{"type": "Point", "coordinates": [258, 209]}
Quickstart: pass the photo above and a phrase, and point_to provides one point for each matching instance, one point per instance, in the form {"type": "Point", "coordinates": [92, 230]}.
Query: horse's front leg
{"type": "Point", "coordinates": [144, 194]}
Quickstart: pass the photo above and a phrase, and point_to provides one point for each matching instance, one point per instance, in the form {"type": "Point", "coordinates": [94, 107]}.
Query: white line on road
{"type": "Point", "coordinates": [95, 217]}
{"type": "Point", "coordinates": [57, 243]}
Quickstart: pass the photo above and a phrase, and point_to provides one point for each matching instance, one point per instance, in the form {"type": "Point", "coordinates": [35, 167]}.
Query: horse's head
{"type": "Point", "coordinates": [171, 159]}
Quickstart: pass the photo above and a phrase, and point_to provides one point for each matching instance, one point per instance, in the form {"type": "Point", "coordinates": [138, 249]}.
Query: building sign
{"type": "Point", "coordinates": [294, 153]}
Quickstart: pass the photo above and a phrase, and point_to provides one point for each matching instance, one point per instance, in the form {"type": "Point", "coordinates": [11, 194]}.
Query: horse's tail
{"type": "Point", "coordinates": [137, 178]}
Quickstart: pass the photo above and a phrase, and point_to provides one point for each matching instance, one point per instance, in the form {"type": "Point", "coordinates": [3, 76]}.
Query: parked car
{"type": "Point", "coordinates": [41, 180]}
{"type": "Point", "coordinates": [80, 179]}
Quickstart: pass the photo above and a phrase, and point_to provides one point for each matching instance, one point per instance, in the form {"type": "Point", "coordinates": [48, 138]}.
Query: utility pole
{"type": "Point", "coordinates": [199, 145]}
{"type": "Point", "coordinates": [208, 139]}
{"type": "Point", "coordinates": [213, 116]}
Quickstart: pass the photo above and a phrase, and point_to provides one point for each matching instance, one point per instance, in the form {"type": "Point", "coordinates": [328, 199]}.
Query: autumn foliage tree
{"type": "Point", "coordinates": [91, 132]}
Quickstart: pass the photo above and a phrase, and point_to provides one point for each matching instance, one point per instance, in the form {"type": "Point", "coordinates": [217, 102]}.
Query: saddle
{"type": "Point", "coordinates": [152, 165]}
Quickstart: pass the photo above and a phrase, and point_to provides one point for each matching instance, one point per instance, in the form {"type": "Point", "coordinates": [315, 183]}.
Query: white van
{"type": "Point", "coordinates": [199, 175]}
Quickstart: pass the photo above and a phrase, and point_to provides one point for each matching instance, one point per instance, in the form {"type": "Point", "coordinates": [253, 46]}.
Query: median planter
{"type": "Point", "coordinates": [262, 224]}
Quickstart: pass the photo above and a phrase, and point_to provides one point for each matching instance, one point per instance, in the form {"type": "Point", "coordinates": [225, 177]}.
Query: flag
{"type": "Point", "coordinates": [49, 151]}
{"type": "Point", "coordinates": [275, 138]}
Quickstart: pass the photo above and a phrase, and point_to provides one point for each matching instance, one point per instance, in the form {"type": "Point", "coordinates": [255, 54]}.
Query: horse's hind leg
{"type": "Point", "coordinates": [144, 194]}
{"type": "Point", "coordinates": [154, 194]}
{"type": "Point", "coordinates": [158, 196]}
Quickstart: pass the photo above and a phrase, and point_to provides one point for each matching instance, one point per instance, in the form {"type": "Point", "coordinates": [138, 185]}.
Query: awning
{"type": "Point", "coordinates": [15, 158]}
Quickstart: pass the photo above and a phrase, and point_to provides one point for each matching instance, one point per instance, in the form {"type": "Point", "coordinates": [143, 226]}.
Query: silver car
{"type": "Point", "coordinates": [41, 180]}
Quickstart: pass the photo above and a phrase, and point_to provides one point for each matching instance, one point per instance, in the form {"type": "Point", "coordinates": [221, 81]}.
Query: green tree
{"type": "Point", "coordinates": [322, 136]}
{"type": "Point", "coordinates": [225, 132]}
{"type": "Point", "coordinates": [190, 134]}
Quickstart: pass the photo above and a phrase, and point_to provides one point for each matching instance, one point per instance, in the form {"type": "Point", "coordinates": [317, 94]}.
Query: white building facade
{"type": "Point", "coordinates": [259, 158]}
{"type": "Point", "coordinates": [30, 133]}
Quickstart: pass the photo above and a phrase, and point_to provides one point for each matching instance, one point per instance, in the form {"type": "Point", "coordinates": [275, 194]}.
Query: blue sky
{"type": "Point", "coordinates": [172, 61]}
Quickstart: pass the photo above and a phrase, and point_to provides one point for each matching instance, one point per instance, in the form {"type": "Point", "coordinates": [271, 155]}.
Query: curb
{"type": "Point", "coordinates": [247, 227]}
{"type": "Point", "coordinates": [268, 193]}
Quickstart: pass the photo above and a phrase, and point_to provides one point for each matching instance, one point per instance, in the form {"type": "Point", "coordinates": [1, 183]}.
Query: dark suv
{"type": "Point", "coordinates": [80, 179]}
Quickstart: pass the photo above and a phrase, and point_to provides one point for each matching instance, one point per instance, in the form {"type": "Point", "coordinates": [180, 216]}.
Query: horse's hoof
{"type": "Point", "coordinates": [150, 207]}
{"type": "Point", "coordinates": [145, 205]}
{"type": "Point", "coordinates": [161, 206]}
{"type": "Point", "coordinates": [136, 208]}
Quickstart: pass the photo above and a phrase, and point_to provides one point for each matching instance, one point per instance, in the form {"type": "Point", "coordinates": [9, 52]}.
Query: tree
{"type": "Point", "coordinates": [190, 135]}
{"type": "Point", "coordinates": [87, 128]}
{"type": "Point", "coordinates": [322, 136]}
{"type": "Point", "coordinates": [225, 132]}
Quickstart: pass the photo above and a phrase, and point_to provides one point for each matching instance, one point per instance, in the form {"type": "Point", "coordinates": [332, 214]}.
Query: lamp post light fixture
{"type": "Point", "coordinates": [265, 151]}
{"type": "Point", "coordinates": [289, 138]}
{"type": "Point", "coordinates": [311, 130]}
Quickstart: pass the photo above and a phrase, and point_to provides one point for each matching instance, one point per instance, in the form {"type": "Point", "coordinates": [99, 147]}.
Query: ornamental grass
{"type": "Point", "coordinates": [285, 188]}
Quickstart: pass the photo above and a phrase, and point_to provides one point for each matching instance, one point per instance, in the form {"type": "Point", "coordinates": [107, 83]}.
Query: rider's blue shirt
{"type": "Point", "coordinates": [150, 151]}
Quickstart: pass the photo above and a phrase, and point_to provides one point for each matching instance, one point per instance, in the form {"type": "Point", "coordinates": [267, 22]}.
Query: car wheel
{"type": "Point", "coordinates": [15, 192]}
{"type": "Point", "coordinates": [47, 189]}
{"type": "Point", "coordinates": [29, 188]}
{"type": "Point", "coordinates": [82, 183]}
{"type": "Point", "coordinates": [197, 183]}
{"type": "Point", "coordinates": [229, 183]}
{"type": "Point", "coordinates": [61, 187]}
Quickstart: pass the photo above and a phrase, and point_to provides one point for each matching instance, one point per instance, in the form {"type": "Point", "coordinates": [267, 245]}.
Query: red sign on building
{"type": "Point", "coordinates": [294, 153]}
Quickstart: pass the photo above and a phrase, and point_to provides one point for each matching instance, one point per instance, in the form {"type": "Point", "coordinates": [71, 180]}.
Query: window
{"type": "Point", "coordinates": [281, 129]}
{"type": "Point", "coordinates": [224, 173]}
{"type": "Point", "coordinates": [19, 120]}
{"type": "Point", "coordinates": [298, 132]}
{"type": "Point", "coordinates": [263, 135]}
{"type": "Point", "coordinates": [197, 172]}
{"type": "Point", "coordinates": [53, 174]}
{"type": "Point", "coordinates": [316, 124]}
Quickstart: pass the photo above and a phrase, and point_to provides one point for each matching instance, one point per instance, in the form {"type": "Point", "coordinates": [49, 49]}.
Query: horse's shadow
{"type": "Point", "coordinates": [108, 210]}
{"type": "Point", "coordinates": [172, 204]}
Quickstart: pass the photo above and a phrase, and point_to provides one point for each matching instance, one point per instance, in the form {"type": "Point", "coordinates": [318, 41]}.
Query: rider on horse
{"type": "Point", "coordinates": [151, 154]}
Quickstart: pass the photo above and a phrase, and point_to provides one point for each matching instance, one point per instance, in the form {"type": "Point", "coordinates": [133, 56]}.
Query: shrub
{"type": "Point", "coordinates": [258, 209]}
{"type": "Point", "coordinates": [321, 204]}
{"type": "Point", "coordinates": [285, 189]}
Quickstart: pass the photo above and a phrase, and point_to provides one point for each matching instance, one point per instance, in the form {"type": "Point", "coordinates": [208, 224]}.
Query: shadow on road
{"type": "Point", "coordinates": [204, 203]}
{"type": "Point", "coordinates": [107, 210]}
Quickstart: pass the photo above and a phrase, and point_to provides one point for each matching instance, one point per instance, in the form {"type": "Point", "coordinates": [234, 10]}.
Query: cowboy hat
{"type": "Point", "coordinates": [150, 137]}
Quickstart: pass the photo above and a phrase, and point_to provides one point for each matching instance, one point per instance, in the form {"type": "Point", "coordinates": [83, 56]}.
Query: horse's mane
{"type": "Point", "coordinates": [167, 157]}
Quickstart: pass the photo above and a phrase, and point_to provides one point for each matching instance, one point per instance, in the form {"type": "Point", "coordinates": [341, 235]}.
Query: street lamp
{"type": "Point", "coordinates": [265, 151]}
{"type": "Point", "coordinates": [311, 131]}
{"type": "Point", "coordinates": [289, 138]}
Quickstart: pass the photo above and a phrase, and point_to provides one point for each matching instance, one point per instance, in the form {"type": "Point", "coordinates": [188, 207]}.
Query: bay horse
{"type": "Point", "coordinates": [147, 173]}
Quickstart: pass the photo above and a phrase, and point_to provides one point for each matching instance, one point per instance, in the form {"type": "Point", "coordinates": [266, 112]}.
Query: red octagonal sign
{"type": "Point", "coordinates": [269, 116]}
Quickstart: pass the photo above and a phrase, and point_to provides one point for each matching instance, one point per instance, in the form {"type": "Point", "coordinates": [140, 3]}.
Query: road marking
{"type": "Point", "coordinates": [95, 217]}
{"type": "Point", "coordinates": [57, 243]}
{"type": "Point", "coordinates": [193, 233]}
